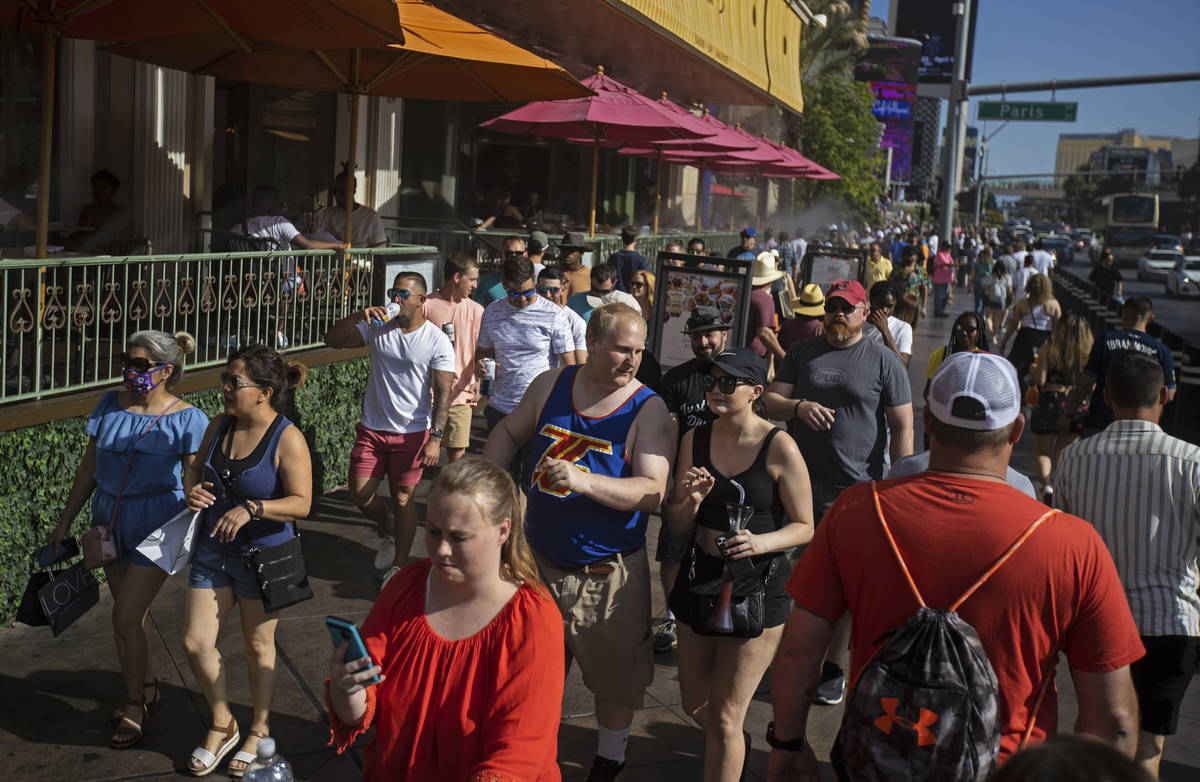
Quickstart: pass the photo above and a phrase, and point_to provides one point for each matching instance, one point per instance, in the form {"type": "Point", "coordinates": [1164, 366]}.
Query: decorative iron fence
{"type": "Point", "coordinates": [66, 320]}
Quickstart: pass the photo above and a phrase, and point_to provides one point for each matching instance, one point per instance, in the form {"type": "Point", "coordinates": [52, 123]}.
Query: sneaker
{"type": "Point", "coordinates": [665, 637]}
{"type": "Point", "coordinates": [386, 553]}
{"type": "Point", "coordinates": [393, 570]}
{"type": "Point", "coordinates": [605, 770]}
{"type": "Point", "coordinates": [832, 688]}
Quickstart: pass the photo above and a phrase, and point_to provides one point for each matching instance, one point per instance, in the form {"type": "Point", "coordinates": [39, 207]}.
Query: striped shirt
{"type": "Point", "coordinates": [1140, 488]}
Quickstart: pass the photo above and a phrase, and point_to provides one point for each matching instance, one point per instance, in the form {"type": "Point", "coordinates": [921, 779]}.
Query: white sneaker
{"type": "Point", "coordinates": [393, 570]}
{"type": "Point", "coordinates": [386, 553]}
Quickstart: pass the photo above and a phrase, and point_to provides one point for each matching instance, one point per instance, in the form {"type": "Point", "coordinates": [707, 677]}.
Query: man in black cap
{"type": "Point", "coordinates": [688, 406]}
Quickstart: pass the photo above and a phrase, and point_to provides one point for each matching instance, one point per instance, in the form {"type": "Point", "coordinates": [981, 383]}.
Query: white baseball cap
{"type": "Point", "coordinates": [975, 391]}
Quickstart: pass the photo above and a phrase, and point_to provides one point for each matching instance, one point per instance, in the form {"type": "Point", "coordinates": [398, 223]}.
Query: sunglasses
{"type": "Point", "coordinates": [965, 329]}
{"type": "Point", "coordinates": [546, 289]}
{"type": "Point", "coordinates": [522, 294]}
{"type": "Point", "coordinates": [636, 284]}
{"type": "Point", "coordinates": [695, 251]}
{"type": "Point", "coordinates": [398, 293]}
{"type": "Point", "coordinates": [230, 380]}
{"type": "Point", "coordinates": [138, 364]}
{"type": "Point", "coordinates": [726, 384]}
{"type": "Point", "coordinates": [835, 306]}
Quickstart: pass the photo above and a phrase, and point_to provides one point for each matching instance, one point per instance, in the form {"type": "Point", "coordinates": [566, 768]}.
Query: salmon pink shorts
{"type": "Point", "coordinates": [398, 456]}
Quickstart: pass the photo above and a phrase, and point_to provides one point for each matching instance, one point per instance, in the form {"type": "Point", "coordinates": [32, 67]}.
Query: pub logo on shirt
{"type": "Point", "coordinates": [827, 377]}
{"type": "Point", "coordinates": [961, 498]}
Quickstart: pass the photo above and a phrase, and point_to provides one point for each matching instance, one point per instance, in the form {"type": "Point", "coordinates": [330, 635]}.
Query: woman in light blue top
{"type": "Point", "coordinates": [139, 438]}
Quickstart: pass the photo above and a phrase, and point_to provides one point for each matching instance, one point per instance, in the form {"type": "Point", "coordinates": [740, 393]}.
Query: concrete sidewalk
{"type": "Point", "coordinates": [60, 691]}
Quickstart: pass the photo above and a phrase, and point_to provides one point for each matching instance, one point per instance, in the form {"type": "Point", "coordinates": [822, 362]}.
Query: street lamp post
{"type": "Point", "coordinates": [956, 120]}
{"type": "Point", "coordinates": [983, 150]}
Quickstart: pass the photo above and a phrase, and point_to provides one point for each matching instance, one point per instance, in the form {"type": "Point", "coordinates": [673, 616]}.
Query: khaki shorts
{"type": "Point", "coordinates": [606, 625]}
{"type": "Point", "coordinates": [458, 427]}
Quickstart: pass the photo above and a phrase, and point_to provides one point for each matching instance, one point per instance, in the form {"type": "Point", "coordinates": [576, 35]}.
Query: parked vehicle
{"type": "Point", "coordinates": [1156, 264]}
{"type": "Point", "coordinates": [1184, 278]}
{"type": "Point", "coordinates": [1061, 247]}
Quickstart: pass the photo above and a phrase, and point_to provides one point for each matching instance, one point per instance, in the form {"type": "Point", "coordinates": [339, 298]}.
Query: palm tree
{"type": "Point", "coordinates": [831, 51]}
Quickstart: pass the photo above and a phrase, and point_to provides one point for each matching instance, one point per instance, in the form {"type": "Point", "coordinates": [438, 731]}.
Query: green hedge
{"type": "Point", "coordinates": [39, 465]}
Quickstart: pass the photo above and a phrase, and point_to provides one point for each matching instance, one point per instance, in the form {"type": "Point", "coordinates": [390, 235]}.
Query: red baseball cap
{"type": "Point", "coordinates": [850, 290]}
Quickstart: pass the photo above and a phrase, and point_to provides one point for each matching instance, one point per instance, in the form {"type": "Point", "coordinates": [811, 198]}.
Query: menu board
{"type": "Point", "coordinates": [695, 282]}
{"type": "Point", "coordinates": [827, 265]}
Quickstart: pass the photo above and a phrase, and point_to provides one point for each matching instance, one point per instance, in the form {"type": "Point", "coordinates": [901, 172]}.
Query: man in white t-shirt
{"type": "Point", "coordinates": [1042, 260]}
{"type": "Point", "coordinates": [412, 372]}
{"type": "Point", "coordinates": [366, 226]}
{"type": "Point", "coordinates": [521, 332]}
{"type": "Point", "coordinates": [1022, 276]}
{"type": "Point", "coordinates": [883, 327]}
{"type": "Point", "coordinates": [452, 303]}
{"type": "Point", "coordinates": [552, 286]}
{"type": "Point", "coordinates": [268, 223]}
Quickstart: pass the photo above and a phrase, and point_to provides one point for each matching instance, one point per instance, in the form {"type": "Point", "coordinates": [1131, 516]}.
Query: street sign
{"type": "Point", "coordinates": [1028, 111]}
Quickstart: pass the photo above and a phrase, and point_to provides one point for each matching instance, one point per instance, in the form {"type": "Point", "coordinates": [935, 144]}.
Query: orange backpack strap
{"type": "Point", "coordinates": [1004, 557]}
{"type": "Point", "coordinates": [1047, 678]}
{"type": "Point", "coordinates": [895, 549]}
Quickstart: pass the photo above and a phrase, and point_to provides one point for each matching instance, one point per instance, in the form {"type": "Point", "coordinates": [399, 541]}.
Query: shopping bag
{"type": "Point", "coordinates": [170, 546]}
{"type": "Point", "coordinates": [68, 596]}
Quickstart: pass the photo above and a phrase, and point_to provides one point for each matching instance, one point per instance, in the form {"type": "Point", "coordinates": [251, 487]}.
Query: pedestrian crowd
{"type": "Point", "coordinates": [800, 532]}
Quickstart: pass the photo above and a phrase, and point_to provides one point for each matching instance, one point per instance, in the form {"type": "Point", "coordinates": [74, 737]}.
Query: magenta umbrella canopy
{"type": "Point", "coordinates": [615, 114]}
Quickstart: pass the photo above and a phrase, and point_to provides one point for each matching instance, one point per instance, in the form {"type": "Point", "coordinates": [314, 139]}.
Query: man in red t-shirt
{"type": "Point", "coordinates": [1058, 592]}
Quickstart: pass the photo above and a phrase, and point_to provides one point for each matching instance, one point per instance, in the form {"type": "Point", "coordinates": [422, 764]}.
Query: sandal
{"type": "Point", "coordinates": [244, 757]}
{"type": "Point", "coordinates": [203, 762]}
{"type": "Point", "coordinates": [129, 732]}
{"type": "Point", "coordinates": [151, 703]}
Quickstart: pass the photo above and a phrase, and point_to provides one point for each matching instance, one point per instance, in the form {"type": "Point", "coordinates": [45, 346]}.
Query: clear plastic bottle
{"type": "Point", "coordinates": [268, 766]}
{"type": "Point", "coordinates": [392, 309]}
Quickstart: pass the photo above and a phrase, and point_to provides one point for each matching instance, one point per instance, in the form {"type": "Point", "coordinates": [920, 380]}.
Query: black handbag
{"type": "Point", "coordinates": [280, 574]}
{"type": "Point", "coordinates": [746, 607]}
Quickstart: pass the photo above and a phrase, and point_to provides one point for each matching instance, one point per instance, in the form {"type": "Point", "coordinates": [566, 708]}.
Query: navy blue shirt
{"type": "Point", "coordinates": [626, 262]}
{"type": "Point", "coordinates": [1099, 414]}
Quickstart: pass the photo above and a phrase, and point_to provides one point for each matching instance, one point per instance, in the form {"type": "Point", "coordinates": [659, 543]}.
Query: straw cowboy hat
{"type": "Point", "coordinates": [765, 272]}
{"type": "Point", "coordinates": [810, 302]}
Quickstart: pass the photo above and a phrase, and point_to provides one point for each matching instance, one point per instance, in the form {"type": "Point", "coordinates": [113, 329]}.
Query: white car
{"type": "Point", "coordinates": [1184, 278]}
{"type": "Point", "coordinates": [1156, 264]}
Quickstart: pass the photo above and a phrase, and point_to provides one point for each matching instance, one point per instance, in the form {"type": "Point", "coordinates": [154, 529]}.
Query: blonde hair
{"type": "Point", "coordinates": [649, 295]}
{"type": "Point", "coordinates": [604, 319]}
{"type": "Point", "coordinates": [1070, 346]}
{"type": "Point", "coordinates": [493, 490]}
{"type": "Point", "coordinates": [1038, 290]}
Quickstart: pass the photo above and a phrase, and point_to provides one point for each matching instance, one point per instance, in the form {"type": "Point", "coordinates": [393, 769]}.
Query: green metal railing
{"type": "Point", "coordinates": [66, 320]}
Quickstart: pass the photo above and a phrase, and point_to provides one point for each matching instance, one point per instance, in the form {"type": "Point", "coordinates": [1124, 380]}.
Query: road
{"type": "Point", "coordinates": [1181, 316]}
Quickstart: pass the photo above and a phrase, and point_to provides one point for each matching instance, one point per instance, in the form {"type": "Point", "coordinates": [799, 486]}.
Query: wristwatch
{"type": "Point", "coordinates": [794, 745]}
{"type": "Point", "coordinates": [436, 434]}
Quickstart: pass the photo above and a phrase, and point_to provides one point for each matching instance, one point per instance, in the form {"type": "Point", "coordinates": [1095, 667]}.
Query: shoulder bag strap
{"type": "Point", "coordinates": [132, 453]}
{"type": "Point", "coordinates": [1004, 557]}
{"type": "Point", "coordinates": [895, 549]}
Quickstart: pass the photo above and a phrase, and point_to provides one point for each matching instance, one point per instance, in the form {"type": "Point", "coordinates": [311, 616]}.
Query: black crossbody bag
{"type": "Point", "coordinates": [746, 607]}
{"type": "Point", "coordinates": [278, 570]}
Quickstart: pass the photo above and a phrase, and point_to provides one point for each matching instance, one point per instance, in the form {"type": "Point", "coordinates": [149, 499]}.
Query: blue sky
{"type": "Point", "coordinates": [1035, 40]}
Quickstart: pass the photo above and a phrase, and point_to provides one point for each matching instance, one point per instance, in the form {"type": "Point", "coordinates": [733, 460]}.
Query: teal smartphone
{"type": "Point", "coordinates": [345, 632]}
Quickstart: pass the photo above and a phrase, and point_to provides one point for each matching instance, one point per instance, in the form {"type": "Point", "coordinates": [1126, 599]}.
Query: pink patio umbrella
{"type": "Point", "coordinates": [614, 113]}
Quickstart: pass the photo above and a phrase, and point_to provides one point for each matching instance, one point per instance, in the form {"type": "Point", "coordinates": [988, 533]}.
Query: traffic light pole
{"type": "Point", "coordinates": [956, 122]}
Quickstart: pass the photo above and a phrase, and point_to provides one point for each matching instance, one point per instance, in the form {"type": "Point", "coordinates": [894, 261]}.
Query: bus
{"type": "Point", "coordinates": [1130, 225]}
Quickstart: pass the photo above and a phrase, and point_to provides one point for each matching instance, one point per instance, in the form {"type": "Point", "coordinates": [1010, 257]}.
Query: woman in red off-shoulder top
{"type": "Point", "coordinates": [469, 645]}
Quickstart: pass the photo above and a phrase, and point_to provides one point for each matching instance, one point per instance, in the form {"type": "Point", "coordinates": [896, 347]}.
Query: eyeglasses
{"type": "Point", "coordinates": [522, 294]}
{"type": "Point", "coordinates": [546, 289]}
{"type": "Point", "coordinates": [835, 306]}
{"type": "Point", "coordinates": [636, 284]}
{"type": "Point", "coordinates": [230, 380]}
{"type": "Point", "coordinates": [398, 293]}
{"type": "Point", "coordinates": [726, 384]}
{"type": "Point", "coordinates": [138, 364]}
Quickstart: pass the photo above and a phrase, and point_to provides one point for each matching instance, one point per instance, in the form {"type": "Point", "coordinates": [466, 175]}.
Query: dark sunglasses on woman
{"type": "Point", "coordinates": [138, 364]}
{"type": "Point", "coordinates": [726, 384]}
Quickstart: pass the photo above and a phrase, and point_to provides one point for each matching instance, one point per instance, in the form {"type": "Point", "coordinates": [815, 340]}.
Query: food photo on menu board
{"type": "Point", "coordinates": [683, 288]}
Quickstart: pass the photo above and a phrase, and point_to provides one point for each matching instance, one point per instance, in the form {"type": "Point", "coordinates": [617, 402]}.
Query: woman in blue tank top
{"type": "Point", "coordinates": [254, 482]}
{"type": "Point", "coordinates": [718, 675]}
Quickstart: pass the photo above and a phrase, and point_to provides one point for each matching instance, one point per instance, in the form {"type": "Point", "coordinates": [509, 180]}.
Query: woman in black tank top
{"type": "Point", "coordinates": [718, 674]}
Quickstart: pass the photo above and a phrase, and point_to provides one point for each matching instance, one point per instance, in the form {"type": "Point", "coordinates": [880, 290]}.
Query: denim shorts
{"type": "Point", "coordinates": [212, 569]}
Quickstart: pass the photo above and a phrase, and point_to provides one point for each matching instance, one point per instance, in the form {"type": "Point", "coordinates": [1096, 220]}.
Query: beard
{"type": "Point", "coordinates": [840, 335]}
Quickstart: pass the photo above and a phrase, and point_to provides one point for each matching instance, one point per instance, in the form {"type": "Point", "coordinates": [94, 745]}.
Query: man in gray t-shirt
{"type": "Point", "coordinates": [831, 390]}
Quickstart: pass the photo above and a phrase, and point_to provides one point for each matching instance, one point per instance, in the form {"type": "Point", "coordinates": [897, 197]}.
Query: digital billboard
{"type": "Point", "coordinates": [889, 67]}
{"type": "Point", "coordinates": [933, 24]}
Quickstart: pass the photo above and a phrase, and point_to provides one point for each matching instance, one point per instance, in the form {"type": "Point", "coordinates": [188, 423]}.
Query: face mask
{"type": "Point", "coordinates": [141, 383]}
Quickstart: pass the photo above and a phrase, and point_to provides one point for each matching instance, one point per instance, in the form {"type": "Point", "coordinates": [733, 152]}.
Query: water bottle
{"type": "Point", "coordinates": [391, 310]}
{"type": "Point", "coordinates": [485, 387]}
{"type": "Point", "coordinates": [268, 766]}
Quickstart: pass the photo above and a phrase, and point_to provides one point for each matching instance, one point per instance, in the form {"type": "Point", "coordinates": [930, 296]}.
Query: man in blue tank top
{"type": "Point", "coordinates": [602, 446]}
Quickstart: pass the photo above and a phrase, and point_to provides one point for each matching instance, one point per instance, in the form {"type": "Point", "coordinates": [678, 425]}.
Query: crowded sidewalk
{"type": "Point", "coordinates": [64, 687]}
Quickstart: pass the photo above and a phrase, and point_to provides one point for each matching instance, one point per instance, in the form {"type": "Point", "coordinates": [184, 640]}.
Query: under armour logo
{"type": "Point", "coordinates": [567, 446]}
{"type": "Point", "coordinates": [921, 726]}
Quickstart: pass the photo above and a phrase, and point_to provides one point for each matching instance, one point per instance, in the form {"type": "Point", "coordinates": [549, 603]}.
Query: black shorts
{"type": "Point", "coordinates": [671, 548]}
{"type": "Point", "coordinates": [1161, 679]}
